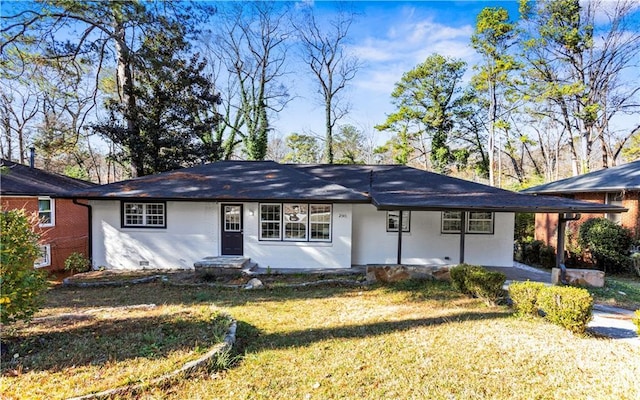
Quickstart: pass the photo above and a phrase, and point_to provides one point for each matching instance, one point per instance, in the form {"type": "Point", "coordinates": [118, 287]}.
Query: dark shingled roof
{"type": "Point", "coordinates": [229, 181]}
{"type": "Point", "coordinates": [388, 187]}
{"type": "Point", "coordinates": [625, 177]}
{"type": "Point", "coordinates": [21, 180]}
{"type": "Point", "coordinates": [394, 187]}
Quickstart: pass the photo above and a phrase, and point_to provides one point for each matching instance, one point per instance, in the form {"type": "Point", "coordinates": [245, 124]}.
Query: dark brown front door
{"type": "Point", "coordinates": [232, 230]}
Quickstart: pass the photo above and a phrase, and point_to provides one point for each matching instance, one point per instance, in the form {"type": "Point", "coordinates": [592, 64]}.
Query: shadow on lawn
{"type": "Point", "coordinates": [251, 339]}
{"type": "Point", "coordinates": [74, 342]}
{"type": "Point", "coordinates": [157, 293]}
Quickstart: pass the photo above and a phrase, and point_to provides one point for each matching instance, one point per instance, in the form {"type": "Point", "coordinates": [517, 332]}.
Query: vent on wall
{"type": "Point", "coordinates": [144, 263]}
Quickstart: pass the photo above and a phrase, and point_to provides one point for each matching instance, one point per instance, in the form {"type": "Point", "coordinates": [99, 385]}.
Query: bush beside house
{"type": "Point", "coordinates": [608, 243]}
{"type": "Point", "coordinates": [21, 285]}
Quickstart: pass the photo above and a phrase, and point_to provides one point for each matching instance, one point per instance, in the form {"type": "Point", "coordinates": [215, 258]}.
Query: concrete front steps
{"type": "Point", "coordinates": [223, 266]}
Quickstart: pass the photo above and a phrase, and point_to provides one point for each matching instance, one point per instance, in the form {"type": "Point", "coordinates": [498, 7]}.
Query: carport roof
{"type": "Point", "coordinates": [620, 178]}
{"type": "Point", "coordinates": [388, 187]}
{"type": "Point", "coordinates": [393, 187]}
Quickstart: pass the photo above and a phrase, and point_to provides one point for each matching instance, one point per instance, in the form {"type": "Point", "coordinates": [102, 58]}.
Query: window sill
{"type": "Point", "coordinates": [291, 243]}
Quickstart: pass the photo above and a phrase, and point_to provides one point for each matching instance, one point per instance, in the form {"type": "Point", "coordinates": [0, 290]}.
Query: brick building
{"type": "Point", "coordinates": [63, 225]}
{"type": "Point", "coordinates": [618, 185]}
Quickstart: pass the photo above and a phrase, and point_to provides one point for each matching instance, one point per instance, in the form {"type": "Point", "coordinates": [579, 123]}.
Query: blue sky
{"type": "Point", "coordinates": [390, 38]}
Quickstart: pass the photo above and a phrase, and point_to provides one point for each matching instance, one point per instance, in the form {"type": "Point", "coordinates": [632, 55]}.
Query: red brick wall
{"type": "Point", "coordinates": [70, 233]}
{"type": "Point", "coordinates": [547, 224]}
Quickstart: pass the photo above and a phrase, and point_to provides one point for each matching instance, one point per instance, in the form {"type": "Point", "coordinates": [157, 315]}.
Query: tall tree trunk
{"type": "Point", "coordinates": [127, 98]}
{"type": "Point", "coordinates": [328, 150]}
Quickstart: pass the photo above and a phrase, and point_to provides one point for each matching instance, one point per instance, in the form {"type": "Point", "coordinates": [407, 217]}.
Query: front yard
{"type": "Point", "coordinates": [412, 340]}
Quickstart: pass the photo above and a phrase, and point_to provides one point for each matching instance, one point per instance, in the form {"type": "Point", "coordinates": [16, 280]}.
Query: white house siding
{"type": "Point", "coordinates": [193, 232]}
{"type": "Point", "coordinates": [424, 244]}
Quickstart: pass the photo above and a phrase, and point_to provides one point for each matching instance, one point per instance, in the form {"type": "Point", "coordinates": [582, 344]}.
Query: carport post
{"type": "Point", "coordinates": [562, 223]}
{"type": "Point", "coordinates": [399, 258]}
{"type": "Point", "coordinates": [463, 223]}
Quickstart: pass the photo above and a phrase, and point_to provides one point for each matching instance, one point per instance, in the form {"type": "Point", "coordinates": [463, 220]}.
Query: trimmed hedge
{"type": "Point", "coordinates": [476, 281]}
{"type": "Point", "coordinates": [569, 307]}
{"type": "Point", "coordinates": [459, 276]}
{"type": "Point", "coordinates": [525, 297]}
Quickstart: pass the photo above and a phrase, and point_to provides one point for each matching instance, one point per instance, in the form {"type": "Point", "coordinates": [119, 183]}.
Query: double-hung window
{"type": "Point", "coordinates": [144, 215]}
{"type": "Point", "coordinates": [44, 259]}
{"type": "Point", "coordinates": [393, 220]}
{"type": "Point", "coordinates": [475, 222]}
{"type": "Point", "coordinates": [614, 199]}
{"type": "Point", "coordinates": [46, 211]}
{"type": "Point", "coordinates": [295, 222]}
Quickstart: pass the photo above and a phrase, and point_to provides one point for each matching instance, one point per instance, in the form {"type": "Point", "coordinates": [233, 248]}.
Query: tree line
{"type": "Point", "coordinates": [173, 83]}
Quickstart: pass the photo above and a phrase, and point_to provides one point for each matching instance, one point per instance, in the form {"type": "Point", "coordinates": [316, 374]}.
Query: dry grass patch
{"type": "Point", "coordinates": [409, 341]}
{"type": "Point", "coordinates": [94, 349]}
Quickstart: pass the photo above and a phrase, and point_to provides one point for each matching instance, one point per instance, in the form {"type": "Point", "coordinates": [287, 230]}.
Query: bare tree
{"type": "Point", "coordinates": [323, 50]}
{"type": "Point", "coordinates": [252, 44]}
{"type": "Point", "coordinates": [577, 55]}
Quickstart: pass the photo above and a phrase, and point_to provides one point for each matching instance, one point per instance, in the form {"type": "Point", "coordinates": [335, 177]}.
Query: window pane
{"type": "Point", "coordinates": [295, 217]}
{"type": "Point", "coordinates": [270, 221]}
{"type": "Point", "coordinates": [480, 222]}
{"type": "Point", "coordinates": [44, 211]}
{"type": "Point", "coordinates": [144, 214]}
{"type": "Point", "coordinates": [393, 221]}
{"type": "Point", "coordinates": [232, 218]}
{"type": "Point", "coordinates": [451, 221]}
{"type": "Point", "coordinates": [320, 217]}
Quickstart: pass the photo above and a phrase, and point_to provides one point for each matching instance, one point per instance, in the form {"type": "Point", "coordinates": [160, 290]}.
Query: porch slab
{"type": "Point", "coordinates": [400, 272]}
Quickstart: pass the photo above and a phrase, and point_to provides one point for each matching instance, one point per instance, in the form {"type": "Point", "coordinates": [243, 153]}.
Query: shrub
{"type": "Point", "coordinates": [21, 285]}
{"type": "Point", "coordinates": [566, 306]}
{"type": "Point", "coordinates": [459, 276]}
{"type": "Point", "coordinates": [525, 297]}
{"type": "Point", "coordinates": [636, 321]}
{"type": "Point", "coordinates": [478, 282]}
{"type": "Point", "coordinates": [77, 262]}
{"type": "Point", "coordinates": [608, 242]}
{"type": "Point", "coordinates": [547, 256]}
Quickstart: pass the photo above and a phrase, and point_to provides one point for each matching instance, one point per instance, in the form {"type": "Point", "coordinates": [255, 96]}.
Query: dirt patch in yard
{"type": "Point", "coordinates": [188, 277]}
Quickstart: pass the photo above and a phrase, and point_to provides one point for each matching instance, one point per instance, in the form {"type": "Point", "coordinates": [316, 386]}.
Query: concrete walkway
{"type": "Point", "coordinates": [608, 321]}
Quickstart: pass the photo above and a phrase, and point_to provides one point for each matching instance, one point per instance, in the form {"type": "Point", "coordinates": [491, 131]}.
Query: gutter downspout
{"type": "Point", "coordinates": [562, 224]}
{"type": "Point", "coordinates": [89, 231]}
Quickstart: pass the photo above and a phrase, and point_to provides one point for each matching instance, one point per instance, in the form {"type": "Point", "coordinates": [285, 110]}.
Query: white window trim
{"type": "Point", "coordinates": [52, 211]}
{"type": "Point", "coordinates": [330, 223]}
{"type": "Point", "coordinates": [466, 224]}
{"type": "Point", "coordinates": [45, 250]}
{"type": "Point", "coordinates": [279, 221]}
{"type": "Point", "coordinates": [615, 199]}
{"type": "Point", "coordinates": [144, 223]}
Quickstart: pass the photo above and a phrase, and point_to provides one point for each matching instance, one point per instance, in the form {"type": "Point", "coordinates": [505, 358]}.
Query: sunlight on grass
{"type": "Point", "coordinates": [97, 349]}
{"type": "Point", "coordinates": [410, 341]}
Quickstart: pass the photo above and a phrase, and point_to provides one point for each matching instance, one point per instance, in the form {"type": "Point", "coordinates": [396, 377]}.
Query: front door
{"type": "Point", "coordinates": [232, 230]}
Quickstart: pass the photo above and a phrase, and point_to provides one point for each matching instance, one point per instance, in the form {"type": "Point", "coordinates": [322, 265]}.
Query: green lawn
{"type": "Point", "coordinates": [410, 341]}
{"type": "Point", "coordinates": [619, 291]}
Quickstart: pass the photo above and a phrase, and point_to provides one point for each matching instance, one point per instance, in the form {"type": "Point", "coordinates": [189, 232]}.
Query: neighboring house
{"type": "Point", "coordinates": [306, 216]}
{"type": "Point", "coordinates": [618, 185]}
{"type": "Point", "coordinates": [63, 225]}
